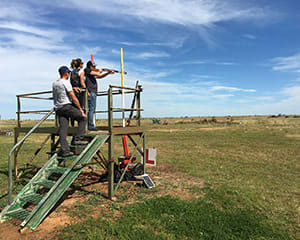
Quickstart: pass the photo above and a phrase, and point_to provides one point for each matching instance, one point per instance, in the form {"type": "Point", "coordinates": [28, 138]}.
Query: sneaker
{"type": "Point", "coordinates": [80, 142]}
{"type": "Point", "coordinates": [93, 129]}
{"type": "Point", "coordinates": [65, 154]}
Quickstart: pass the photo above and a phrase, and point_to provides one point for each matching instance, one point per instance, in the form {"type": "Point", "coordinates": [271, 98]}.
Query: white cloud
{"type": "Point", "coordinates": [249, 36]}
{"type": "Point", "coordinates": [200, 62]}
{"type": "Point", "coordinates": [287, 64]}
{"type": "Point", "coordinates": [47, 33]}
{"type": "Point", "coordinates": [231, 89]}
{"type": "Point", "coordinates": [289, 103]}
{"type": "Point", "coordinates": [222, 96]}
{"type": "Point", "coordinates": [16, 11]}
{"type": "Point", "coordinates": [201, 16]}
{"type": "Point", "coordinates": [27, 36]}
{"type": "Point", "coordinates": [266, 98]}
{"type": "Point", "coordinates": [34, 42]}
{"type": "Point", "coordinates": [293, 92]}
{"type": "Point", "coordinates": [147, 55]}
{"type": "Point", "coordinates": [174, 43]}
{"type": "Point", "coordinates": [187, 13]}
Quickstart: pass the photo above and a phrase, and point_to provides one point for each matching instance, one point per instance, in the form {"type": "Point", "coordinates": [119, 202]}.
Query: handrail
{"type": "Point", "coordinates": [15, 147]}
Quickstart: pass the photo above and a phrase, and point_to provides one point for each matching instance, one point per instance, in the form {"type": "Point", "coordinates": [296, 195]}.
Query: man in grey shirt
{"type": "Point", "coordinates": [63, 97]}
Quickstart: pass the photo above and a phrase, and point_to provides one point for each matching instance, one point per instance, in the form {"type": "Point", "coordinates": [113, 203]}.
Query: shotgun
{"type": "Point", "coordinates": [109, 70]}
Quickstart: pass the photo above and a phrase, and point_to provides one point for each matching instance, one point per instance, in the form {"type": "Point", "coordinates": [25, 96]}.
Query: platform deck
{"type": "Point", "coordinates": [132, 130]}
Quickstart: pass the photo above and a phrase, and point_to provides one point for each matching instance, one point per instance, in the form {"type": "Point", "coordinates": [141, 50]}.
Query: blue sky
{"type": "Point", "coordinates": [193, 57]}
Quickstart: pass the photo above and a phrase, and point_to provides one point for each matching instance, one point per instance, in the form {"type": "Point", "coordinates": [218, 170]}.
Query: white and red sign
{"type": "Point", "coordinates": [150, 156]}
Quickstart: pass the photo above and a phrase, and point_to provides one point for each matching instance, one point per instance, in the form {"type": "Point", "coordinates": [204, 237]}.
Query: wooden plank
{"type": "Point", "coordinates": [127, 88]}
{"type": "Point", "coordinates": [72, 130]}
{"type": "Point", "coordinates": [35, 93]}
{"type": "Point", "coordinates": [127, 130]}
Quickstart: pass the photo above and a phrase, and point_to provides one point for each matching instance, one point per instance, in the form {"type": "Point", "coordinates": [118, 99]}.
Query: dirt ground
{"type": "Point", "coordinates": [167, 179]}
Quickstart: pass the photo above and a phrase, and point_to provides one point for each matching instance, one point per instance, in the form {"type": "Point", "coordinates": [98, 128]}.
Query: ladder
{"type": "Point", "coordinates": [44, 190]}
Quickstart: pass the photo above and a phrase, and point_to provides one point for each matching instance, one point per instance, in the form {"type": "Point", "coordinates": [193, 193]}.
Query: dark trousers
{"type": "Point", "coordinates": [64, 114]}
{"type": "Point", "coordinates": [80, 97]}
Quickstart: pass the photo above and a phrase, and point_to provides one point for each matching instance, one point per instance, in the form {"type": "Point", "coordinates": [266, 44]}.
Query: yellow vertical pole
{"type": "Point", "coordinates": [122, 68]}
{"type": "Point", "coordinates": [122, 82]}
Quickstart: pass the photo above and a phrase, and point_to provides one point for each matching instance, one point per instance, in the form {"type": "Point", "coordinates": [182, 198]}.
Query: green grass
{"type": "Point", "coordinates": [252, 180]}
{"type": "Point", "coordinates": [172, 218]}
{"type": "Point", "coordinates": [262, 165]}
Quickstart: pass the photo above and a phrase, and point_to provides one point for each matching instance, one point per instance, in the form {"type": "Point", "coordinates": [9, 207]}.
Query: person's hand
{"type": "Point", "coordinates": [77, 89]}
{"type": "Point", "coordinates": [112, 72]}
{"type": "Point", "coordinates": [82, 112]}
{"type": "Point", "coordinates": [88, 94]}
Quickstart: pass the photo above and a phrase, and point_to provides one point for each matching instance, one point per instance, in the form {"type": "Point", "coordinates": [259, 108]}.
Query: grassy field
{"type": "Point", "coordinates": [217, 178]}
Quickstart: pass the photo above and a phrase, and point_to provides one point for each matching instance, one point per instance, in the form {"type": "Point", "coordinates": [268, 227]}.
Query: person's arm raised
{"type": "Point", "coordinates": [99, 74]}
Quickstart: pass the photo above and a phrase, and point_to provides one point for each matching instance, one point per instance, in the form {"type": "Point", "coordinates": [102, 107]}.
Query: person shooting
{"type": "Point", "coordinates": [91, 75]}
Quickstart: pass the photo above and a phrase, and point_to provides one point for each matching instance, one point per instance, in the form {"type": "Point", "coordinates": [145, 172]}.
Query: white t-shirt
{"type": "Point", "coordinates": [61, 89]}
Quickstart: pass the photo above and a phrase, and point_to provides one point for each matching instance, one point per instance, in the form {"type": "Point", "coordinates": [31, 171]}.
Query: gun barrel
{"type": "Point", "coordinates": [116, 71]}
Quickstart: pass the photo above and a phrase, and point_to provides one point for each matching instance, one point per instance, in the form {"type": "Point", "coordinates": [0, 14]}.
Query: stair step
{"type": "Point", "coordinates": [46, 183]}
{"type": "Point", "coordinates": [57, 170]}
{"type": "Point", "coordinates": [67, 158]}
{"type": "Point", "coordinates": [19, 213]}
{"type": "Point", "coordinates": [90, 135]}
{"type": "Point", "coordinates": [28, 195]}
{"type": "Point", "coordinates": [32, 198]}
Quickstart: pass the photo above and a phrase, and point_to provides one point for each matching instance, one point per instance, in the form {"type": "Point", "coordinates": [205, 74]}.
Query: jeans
{"type": "Point", "coordinates": [92, 108]}
{"type": "Point", "coordinates": [64, 113]}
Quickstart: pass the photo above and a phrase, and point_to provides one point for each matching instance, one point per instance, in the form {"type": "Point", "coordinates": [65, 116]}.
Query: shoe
{"type": "Point", "coordinates": [65, 154]}
{"type": "Point", "coordinates": [93, 129]}
{"type": "Point", "coordinates": [80, 142]}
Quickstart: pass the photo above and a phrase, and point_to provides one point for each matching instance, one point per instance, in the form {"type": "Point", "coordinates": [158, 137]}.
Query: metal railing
{"type": "Point", "coordinates": [15, 147]}
{"type": "Point", "coordinates": [115, 90]}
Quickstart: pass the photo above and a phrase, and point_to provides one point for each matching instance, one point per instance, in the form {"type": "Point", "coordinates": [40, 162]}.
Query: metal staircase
{"type": "Point", "coordinates": [45, 189]}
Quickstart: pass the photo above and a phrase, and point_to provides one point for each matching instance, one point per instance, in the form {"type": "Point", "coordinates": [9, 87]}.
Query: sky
{"type": "Point", "coordinates": [193, 57]}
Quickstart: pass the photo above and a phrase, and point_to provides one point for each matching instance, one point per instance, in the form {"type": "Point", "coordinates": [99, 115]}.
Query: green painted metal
{"type": "Point", "coordinates": [30, 193]}
{"type": "Point", "coordinates": [19, 144]}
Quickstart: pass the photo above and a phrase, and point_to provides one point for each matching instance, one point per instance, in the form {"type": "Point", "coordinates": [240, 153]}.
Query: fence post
{"type": "Point", "coordinates": [110, 146]}
{"type": "Point", "coordinates": [19, 110]}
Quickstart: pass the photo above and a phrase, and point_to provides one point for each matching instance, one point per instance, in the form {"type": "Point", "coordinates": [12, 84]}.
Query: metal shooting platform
{"type": "Point", "coordinates": [53, 179]}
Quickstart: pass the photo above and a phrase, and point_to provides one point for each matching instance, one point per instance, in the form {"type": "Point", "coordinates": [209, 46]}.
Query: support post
{"type": "Point", "coordinates": [18, 112]}
{"type": "Point", "coordinates": [144, 152]}
{"type": "Point", "coordinates": [53, 146]}
{"type": "Point", "coordinates": [16, 135]}
{"type": "Point", "coordinates": [138, 113]}
{"type": "Point", "coordinates": [110, 146]}
{"type": "Point", "coordinates": [86, 106]}
{"type": "Point", "coordinates": [56, 120]}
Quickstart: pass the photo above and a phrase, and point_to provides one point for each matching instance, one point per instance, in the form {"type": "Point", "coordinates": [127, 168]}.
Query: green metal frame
{"type": "Point", "coordinates": [31, 219]}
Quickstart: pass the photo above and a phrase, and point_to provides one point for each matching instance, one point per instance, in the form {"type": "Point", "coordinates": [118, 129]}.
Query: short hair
{"type": "Point", "coordinates": [90, 64]}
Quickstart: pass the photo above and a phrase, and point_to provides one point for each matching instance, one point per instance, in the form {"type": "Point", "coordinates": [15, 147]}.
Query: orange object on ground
{"type": "Point", "coordinates": [125, 146]}
{"type": "Point", "coordinates": [126, 153]}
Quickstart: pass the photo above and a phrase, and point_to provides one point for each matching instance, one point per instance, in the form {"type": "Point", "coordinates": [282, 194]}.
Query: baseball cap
{"type": "Point", "coordinates": [90, 64]}
{"type": "Point", "coordinates": [62, 70]}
